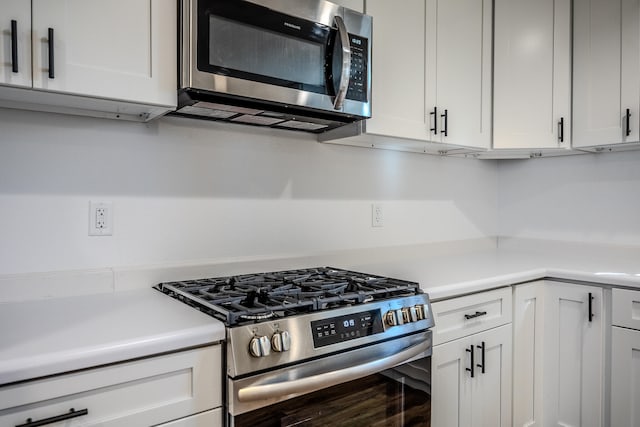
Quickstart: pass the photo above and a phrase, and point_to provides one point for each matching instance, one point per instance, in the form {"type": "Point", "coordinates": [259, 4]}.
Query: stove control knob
{"type": "Point", "coordinates": [281, 341]}
{"type": "Point", "coordinates": [259, 346]}
{"type": "Point", "coordinates": [421, 311]}
{"type": "Point", "coordinates": [393, 318]}
{"type": "Point", "coordinates": [409, 314]}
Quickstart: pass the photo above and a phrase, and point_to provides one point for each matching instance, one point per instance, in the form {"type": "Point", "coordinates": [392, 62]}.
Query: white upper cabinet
{"type": "Point", "coordinates": [532, 74]}
{"type": "Point", "coordinates": [432, 71]}
{"type": "Point", "coordinates": [397, 102]}
{"type": "Point", "coordinates": [15, 43]}
{"type": "Point", "coordinates": [606, 72]}
{"type": "Point", "coordinates": [458, 71]}
{"type": "Point", "coordinates": [114, 59]}
{"type": "Point", "coordinates": [120, 49]}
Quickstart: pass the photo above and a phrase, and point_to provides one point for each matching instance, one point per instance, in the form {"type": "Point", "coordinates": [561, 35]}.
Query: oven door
{"type": "Point", "coordinates": [387, 384]}
{"type": "Point", "coordinates": [302, 57]}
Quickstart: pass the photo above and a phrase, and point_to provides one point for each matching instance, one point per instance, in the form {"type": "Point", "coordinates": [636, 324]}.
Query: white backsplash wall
{"type": "Point", "coordinates": [586, 198]}
{"type": "Point", "coordinates": [185, 190]}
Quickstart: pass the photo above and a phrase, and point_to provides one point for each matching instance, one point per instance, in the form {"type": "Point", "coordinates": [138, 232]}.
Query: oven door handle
{"type": "Point", "coordinates": [316, 382]}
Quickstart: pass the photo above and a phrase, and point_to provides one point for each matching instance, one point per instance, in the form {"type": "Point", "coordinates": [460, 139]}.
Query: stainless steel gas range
{"type": "Point", "coordinates": [320, 346]}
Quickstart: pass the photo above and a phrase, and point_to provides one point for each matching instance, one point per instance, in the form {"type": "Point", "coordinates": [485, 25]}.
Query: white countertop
{"type": "Point", "coordinates": [515, 261]}
{"type": "Point", "coordinates": [128, 319]}
{"type": "Point", "coordinates": [45, 337]}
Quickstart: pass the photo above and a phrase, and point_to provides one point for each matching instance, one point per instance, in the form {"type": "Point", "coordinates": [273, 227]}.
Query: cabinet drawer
{"type": "Point", "coordinates": [459, 317]}
{"type": "Point", "coordinates": [137, 393]}
{"type": "Point", "coordinates": [626, 308]}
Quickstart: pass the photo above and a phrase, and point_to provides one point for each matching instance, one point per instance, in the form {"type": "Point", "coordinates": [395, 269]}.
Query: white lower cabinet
{"type": "Point", "coordinates": [558, 355]}
{"type": "Point", "coordinates": [211, 418]}
{"type": "Point", "coordinates": [471, 381]}
{"type": "Point", "coordinates": [169, 388]}
{"type": "Point", "coordinates": [625, 359]}
{"type": "Point", "coordinates": [471, 365]}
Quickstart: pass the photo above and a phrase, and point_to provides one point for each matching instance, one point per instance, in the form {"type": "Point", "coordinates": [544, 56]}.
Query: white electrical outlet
{"type": "Point", "coordinates": [100, 219]}
{"type": "Point", "coordinates": [377, 215]}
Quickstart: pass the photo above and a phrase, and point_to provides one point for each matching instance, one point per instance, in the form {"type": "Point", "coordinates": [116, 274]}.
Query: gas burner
{"type": "Point", "coordinates": [252, 298]}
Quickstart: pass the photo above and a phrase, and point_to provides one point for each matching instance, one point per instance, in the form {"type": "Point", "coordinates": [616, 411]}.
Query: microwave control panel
{"type": "Point", "coordinates": [345, 328]}
{"type": "Point", "coordinates": [358, 80]}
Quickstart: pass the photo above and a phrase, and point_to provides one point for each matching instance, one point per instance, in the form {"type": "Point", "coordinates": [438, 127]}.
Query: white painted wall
{"type": "Point", "coordinates": [587, 198]}
{"type": "Point", "coordinates": [186, 190]}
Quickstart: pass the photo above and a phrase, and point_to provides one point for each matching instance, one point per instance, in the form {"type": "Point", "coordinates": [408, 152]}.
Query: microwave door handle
{"type": "Point", "coordinates": [320, 381]}
{"type": "Point", "coordinates": [341, 94]}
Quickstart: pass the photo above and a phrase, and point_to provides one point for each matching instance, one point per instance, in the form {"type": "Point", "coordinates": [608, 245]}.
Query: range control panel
{"type": "Point", "coordinates": [358, 81]}
{"type": "Point", "coordinates": [344, 328]}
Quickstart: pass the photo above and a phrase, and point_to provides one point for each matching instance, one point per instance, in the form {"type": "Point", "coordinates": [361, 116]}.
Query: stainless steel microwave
{"type": "Point", "coordinates": [290, 64]}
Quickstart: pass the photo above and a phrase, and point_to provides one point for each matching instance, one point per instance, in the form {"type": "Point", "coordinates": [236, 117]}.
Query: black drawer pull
{"type": "Point", "coordinates": [14, 46]}
{"type": "Point", "coordinates": [445, 127]}
{"type": "Point", "coordinates": [472, 365]}
{"type": "Point", "coordinates": [591, 315]}
{"type": "Point", "coordinates": [627, 131]}
{"type": "Point", "coordinates": [71, 414]}
{"type": "Point", "coordinates": [481, 364]}
{"type": "Point", "coordinates": [52, 71]}
{"type": "Point", "coordinates": [561, 130]}
{"type": "Point", "coordinates": [476, 314]}
{"type": "Point", "coordinates": [434, 113]}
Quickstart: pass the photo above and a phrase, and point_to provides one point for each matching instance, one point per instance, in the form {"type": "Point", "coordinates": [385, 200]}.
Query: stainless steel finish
{"type": "Point", "coordinates": [320, 11]}
{"type": "Point", "coordinates": [268, 388]}
{"type": "Point", "coordinates": [302, 348]}
{"type": "Point", "coordinates": [259, 347]}
{"type": "Point", "coordinates": [281, 341]}
{"type": "Point", "coordinates": [346, 63]}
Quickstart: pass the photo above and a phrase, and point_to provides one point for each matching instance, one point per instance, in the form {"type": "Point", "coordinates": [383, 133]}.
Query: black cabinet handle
{"type": "Point", "coordinates": [628, 124]}
{"type": "Point", "coordinates": [561, 129]}
{"type": "Point", "coordinates": [71, 414]}
{"type": "Point", "coordinates": [52, 71]}
{"type": "Point", "coordinates": [481, 364]}
{"type": "Point", "coordinates": [472, 365]}
{"type": "Point", "coordinates": [476, 314]}
{"type": "Point", "coordinates": [445, 116]}
{"type": "Point", "coordinates": [434, 113]}
{"type": "Point", "coordinates": [591, 315]}
{"type": "Point", "coordinates": [14, 46]}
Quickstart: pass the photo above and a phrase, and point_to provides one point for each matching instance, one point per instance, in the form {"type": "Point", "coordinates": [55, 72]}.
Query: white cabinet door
{"type": "Point", "coordinates": [528, 327]}
{"type": "Point", "coordinates": [484, 400]}
{"type": "Point", "coordinates": [451, 384]}
{"type": "Point", "coordinates": [573, 365]}
{"type": "Point", "coordinates": [213, 418]}
{"type": "Point", "coordinates": [397, 101]}
{"type": "Point", "coordinates": [558, 355]}
{"type": "Point", "coordinates": [458, 71]}
{"type": "Point", "coordinates": [606, 72]}
{"type": "Point", "coordinates": [491, 390]}
{"type": "Point", "coordinates": [625, 378]}
{"type": "Point", "coordinates": [15, 35]}
{"type": "Point", "coordinates": [532, 74]}
{"type": "Point", "coordinates": [120, 49]}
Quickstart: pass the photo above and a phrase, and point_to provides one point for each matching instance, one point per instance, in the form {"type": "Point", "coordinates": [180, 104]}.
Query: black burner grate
{"type": "Point", "coordinates": [256, 297]}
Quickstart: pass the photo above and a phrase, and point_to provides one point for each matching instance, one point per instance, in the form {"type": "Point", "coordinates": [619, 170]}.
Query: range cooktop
{"type": "Point", "coordinates": [253, 298]}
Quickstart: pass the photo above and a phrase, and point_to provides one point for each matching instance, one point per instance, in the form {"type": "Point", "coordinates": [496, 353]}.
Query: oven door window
{"type": "Point", "coordinates": [251, 42]}
{"type": "Point", "coordinates": [398, 397]}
